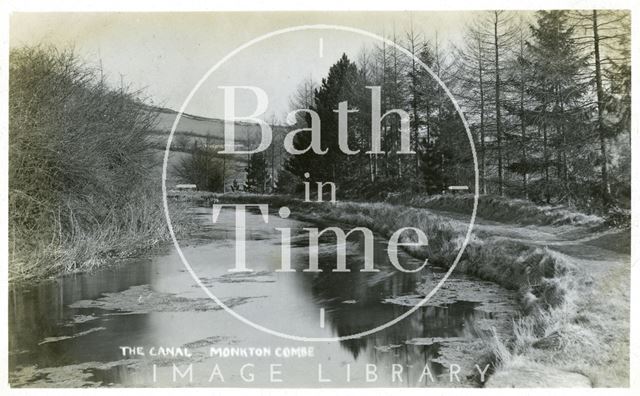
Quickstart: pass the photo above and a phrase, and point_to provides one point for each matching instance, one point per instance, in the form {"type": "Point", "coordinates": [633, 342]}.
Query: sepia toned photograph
{"type": "Point", "coordinates": [319, 199]}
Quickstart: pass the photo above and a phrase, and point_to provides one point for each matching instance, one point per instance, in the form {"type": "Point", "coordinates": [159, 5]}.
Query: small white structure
{"type": "Point", "coordinates": [457, 189]}
{"type": "Point", "coordinates": [186, 187]}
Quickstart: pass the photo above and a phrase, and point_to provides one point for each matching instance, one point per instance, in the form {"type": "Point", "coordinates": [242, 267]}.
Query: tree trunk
{"type": "Point", "coordinates": [523, 127]}
{"type": "Point", "coordinates": [545, 155]}
{"type": "Point", "coordinates": [414, 104]}
{"type": "Point", "coordinates": [606, 188]}
{"type": "Point", "coordinates": [498, 121]}
{"type": "Point", "coordinates": [483, 172]}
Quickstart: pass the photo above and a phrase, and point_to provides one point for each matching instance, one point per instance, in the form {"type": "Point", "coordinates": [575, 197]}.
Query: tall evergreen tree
{"type": "Point", "coordinates": [343, 83]}
{"type": "Point", "coordinates": [257, 173]}
{"type": "Point", "coordinates": [558, 87]}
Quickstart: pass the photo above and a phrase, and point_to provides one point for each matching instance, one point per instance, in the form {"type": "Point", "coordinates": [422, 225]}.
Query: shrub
{"type": "Point", "coordinates": [203, 167]}
{"type": "Point", "coordinates": [78, 155]}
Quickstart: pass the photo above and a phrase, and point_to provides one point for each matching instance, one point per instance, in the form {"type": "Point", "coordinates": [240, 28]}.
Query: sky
{"type": "Point", "coordinates": [166, 54]}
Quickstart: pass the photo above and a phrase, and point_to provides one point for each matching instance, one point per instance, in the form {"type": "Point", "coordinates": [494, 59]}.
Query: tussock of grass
{"type": "Point", "coordinates": [124, 232]}
{"type": "Point", "coordinates": [585, 332]}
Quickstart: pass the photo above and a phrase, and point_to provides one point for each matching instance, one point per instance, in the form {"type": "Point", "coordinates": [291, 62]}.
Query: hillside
{"type": "Point", "coordinates": [192, 128]}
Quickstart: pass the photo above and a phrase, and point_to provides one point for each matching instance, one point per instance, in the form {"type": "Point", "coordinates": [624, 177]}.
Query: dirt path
{"type": "Point", "coordinates": [594, 333]}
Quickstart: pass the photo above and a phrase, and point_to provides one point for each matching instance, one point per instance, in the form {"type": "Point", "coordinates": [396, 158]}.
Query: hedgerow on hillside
{"type": "Point", "coordinates": [79, 159]}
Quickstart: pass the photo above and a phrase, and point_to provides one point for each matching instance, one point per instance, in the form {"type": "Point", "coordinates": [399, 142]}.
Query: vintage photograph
{"type": "Point", "coordinates": [313, 199]}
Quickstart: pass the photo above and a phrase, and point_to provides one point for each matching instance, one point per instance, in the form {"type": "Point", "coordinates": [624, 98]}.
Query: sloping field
{"type": "Point", "coordinates": [201, 130]}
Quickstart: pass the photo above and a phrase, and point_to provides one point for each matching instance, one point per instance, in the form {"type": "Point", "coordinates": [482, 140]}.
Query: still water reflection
{"type": "Point", "coordinates": [68, 331]}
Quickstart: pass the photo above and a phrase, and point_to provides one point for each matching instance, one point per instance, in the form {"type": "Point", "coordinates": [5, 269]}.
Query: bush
{"type": "Point", "coordinates": [203, 167]}
{"type": "Point", "coordinates": [78, 156]}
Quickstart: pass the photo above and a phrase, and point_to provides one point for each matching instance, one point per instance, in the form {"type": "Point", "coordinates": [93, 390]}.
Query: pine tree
{"type": "Point", "coordinates": [414, 45]}
{"type": "Point", "coordinates": [473, 91]}
{"type": "Point", "coordinates": [343, 83]}
{"type": "Point", "coordinates": [483, 66]}
{"type": "Point", "coordinates": [517, 103]}
{"type": "Point", "coordinates": [557, 66]}
{"type": "Point", "coordinates": [605, 35]}
{"type": "Point", "coordinates": [257, 173]}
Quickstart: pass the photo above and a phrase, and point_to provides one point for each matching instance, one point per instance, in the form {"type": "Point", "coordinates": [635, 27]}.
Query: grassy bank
{"type": "Point", "coordinates": [124, 232]}
{"type": "Point", "coordinates": [496, 208]}
{"type": "Point", "coordinates": [572, 330]}
{"type": "Point", "coordinates": [511, 264]}
{"type": "Point", "coordinates": [585, 336]}
{"type": "Point", "coordinates": [80, 191]}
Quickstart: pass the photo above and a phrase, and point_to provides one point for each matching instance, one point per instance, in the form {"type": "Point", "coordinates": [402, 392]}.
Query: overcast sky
{"type": "Point", "coordinates": [167, 53]}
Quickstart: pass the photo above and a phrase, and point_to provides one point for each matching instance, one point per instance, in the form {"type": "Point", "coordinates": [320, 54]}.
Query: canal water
{"type": "Point", "coordinates": [70, 331]}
